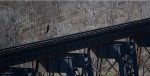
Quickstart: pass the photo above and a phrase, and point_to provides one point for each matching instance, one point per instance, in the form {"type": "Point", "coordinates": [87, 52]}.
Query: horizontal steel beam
{"type": "Point", "coordinates": [61, 45]}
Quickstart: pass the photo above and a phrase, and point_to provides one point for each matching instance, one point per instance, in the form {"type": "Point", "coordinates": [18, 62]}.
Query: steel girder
{"type": "Point", "coordinates": [61, 45]}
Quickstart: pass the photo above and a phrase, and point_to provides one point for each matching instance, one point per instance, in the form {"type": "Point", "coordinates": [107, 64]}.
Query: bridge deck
{"type": "Point", "coordinates": [61, 45]}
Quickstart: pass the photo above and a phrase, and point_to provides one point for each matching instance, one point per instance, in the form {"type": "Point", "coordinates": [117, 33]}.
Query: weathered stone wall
{"type": "Point", "coordinates": [28, 21]}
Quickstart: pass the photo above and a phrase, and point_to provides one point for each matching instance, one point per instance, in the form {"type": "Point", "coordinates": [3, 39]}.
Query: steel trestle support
{"type": "Point", "coordinates": [61, 45]}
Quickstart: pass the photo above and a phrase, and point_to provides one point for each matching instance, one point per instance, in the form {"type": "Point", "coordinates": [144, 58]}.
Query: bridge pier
{"type": "Point", "coordinates": [70, 65]}
{"type": "Point", "coordinates": [123, 52]}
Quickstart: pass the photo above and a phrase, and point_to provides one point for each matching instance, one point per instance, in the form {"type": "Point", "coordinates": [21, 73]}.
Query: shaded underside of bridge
{"type": "Point", "coordinates": [62, 45]}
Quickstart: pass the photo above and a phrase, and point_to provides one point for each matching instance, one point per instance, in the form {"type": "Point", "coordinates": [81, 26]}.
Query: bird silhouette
{"type": "Point", "coordinates": [47, 29]}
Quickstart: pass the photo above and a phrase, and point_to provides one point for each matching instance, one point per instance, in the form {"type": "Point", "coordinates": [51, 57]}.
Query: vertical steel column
{"type": "Point", "coordinates": [124, 53]}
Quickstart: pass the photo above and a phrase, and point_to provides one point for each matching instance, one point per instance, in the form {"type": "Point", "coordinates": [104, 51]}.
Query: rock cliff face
{"type": "Point", "coordinates": [28, 21]}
